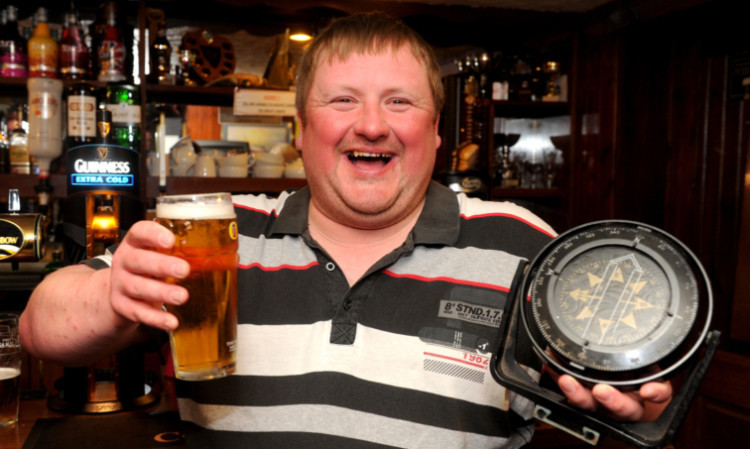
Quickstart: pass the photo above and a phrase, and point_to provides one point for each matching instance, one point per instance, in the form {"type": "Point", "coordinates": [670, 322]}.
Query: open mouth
{"type": "Point", "coordinates": [363, 157]}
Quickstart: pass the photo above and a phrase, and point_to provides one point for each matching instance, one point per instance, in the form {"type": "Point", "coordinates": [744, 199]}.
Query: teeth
{"type": "Point", "coordinates": [369, 155]}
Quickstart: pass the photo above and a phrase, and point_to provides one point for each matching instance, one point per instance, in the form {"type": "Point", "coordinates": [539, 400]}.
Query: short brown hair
{"type": "Point", "coordinates": [372, 33]}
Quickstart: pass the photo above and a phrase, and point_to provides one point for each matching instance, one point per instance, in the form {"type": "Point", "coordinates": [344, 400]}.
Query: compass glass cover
{"type": "Point", "coordinates": [615, 302]}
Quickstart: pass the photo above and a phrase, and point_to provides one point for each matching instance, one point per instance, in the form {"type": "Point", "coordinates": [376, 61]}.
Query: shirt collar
{"type": "Point", "coordinates": [438, 223]}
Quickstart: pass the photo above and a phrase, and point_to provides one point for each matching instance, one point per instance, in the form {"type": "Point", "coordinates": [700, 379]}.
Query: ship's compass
{"type": "Point", "coordinates": [615, 302]}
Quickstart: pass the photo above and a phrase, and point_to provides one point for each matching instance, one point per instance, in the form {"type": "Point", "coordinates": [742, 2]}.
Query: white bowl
{"type": "Point", "coordinates": [182, 170]}
{"type": "Point", "coordinates": [268, 170]}
{"type": "Point", "coordinates": [233, 171]}
{"type": "Point", "coordinates": [294, 170]}
{"type": "Point", "coordinates": [268, 158]}
{"type": "Point", "coordinates": [238, 160]}
{"type": "Point", "coordinates": [183, 152]}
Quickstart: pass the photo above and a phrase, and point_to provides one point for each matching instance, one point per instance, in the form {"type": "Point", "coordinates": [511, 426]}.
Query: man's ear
{"type": "Point", "coordinates": [438, 139]}
{"type": "Point", "coordinates": [298, 137]}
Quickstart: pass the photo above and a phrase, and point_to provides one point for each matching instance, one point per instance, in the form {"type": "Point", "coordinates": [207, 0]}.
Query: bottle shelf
{"type": "Point", "coordinates": [530, 109]}
{"type": "Point", "coordinates": [175, 185]}
{"type": "Point", "coordinates": [501, 193]}
{"type": "Point", "coordinates": [182, 185]}
{"type": "Point", "coordinates": [197, 95]}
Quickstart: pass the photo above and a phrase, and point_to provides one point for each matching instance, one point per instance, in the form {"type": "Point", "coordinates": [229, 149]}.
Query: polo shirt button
{"type": "Point", "coordinates": [330, 266]}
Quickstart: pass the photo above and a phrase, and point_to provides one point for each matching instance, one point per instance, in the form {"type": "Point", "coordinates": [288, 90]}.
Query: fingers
{"type": "Point", "coordinates": [137, 289]}
{"type": "Point", "coordinates": [625, 407]}
{"type": "Point", "coordinates": [149, 234]}
{"type": "Point", "coordinates": [147, 314]}
{"type": "Point", "coordinates": [577, 395]}
{"type": "Point", "coordinates": [630, 406]}
{"type": "Point", "coordinates": [658, 392]}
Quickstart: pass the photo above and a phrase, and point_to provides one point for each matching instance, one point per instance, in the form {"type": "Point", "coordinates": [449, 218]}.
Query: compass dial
{"type": "Point", "coordinates": [616, 302]}
{"type": "Point", "coordinates": [612, 296]}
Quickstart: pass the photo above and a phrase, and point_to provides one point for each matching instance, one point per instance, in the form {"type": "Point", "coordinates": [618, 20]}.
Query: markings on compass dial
{"type": "Point", "coordinates": [605, 299]}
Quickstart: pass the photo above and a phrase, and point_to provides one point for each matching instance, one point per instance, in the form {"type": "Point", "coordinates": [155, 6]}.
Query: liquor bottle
{"type": "Point", "coordinates": [45, 121]}
{"type": "Point", "coordinates": [159, 55]}
{"type": "Point", "coordinates": [74, 54]}
{"type": "Point", "coordinates": [81, 106]}
{"type": "Point", "coordinates": [123, 100]}
{"type": "Point", "coordinates": [4, 146]}
{"type": "Point", "coordinates": [111, 51]}
{"type": "Point", "coordinates": [42, 49]}
{"type": "Point", "coordinates": [13, 61]}
{"type": "Point", "coordinates": [43, 194]}
{"type": "Point", "coordinates": [20, 162]}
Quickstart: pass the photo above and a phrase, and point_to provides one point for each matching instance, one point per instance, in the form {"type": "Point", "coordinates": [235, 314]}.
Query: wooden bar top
{"type": "Point", "coordinates": [32, 410]}
{"type": "Point", "coordinates": [13, 437]}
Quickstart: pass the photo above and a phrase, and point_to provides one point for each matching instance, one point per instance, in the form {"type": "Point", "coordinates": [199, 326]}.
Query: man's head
{"type": "Point", "coordinates": [369, 99]}
{"type": "Point", "coordinates": [365, 33]}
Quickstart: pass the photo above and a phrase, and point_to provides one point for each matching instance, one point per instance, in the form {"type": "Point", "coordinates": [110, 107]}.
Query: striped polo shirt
{"type": "Point", "coordinates": [400, 359]}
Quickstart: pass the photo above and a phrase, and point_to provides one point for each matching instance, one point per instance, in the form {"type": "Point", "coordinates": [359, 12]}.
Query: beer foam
{"type": "Point", "coordinates": [9, 373]}
{"type": "Point", "coordinates": [196, 211]}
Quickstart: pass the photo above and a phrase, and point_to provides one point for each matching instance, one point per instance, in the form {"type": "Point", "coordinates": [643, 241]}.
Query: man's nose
{"type": "Point", "coordinates": [372, 122]}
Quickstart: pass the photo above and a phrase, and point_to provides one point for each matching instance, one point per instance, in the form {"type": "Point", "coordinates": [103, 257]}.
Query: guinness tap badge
{"type": "Point", "coordinates": [104, 128]}
{"type": "Point", "coordinates": [103, 152]}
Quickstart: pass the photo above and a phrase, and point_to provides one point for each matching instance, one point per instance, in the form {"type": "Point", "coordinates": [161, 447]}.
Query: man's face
{"type": "Point", "coordinates": [370, 138]}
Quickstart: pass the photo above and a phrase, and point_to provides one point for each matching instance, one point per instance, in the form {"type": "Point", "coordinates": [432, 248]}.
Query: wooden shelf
{"type": "Point", "coordinates": [504, 193]}
{"type": "Point", "coordinates": [175, 185]}
{"type": "Point", "coordinates": [204, 96]}
{"type": "Point", "coordinates": [17, 86]}
{"type": "Point", "coordinates": [530, 109]}
{"type": "Point", "coordinates": [182, 185]}
{"type": "Point", "coordinates": [26, 184]}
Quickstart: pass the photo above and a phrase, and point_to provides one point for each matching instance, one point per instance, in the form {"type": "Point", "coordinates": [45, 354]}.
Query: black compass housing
{"type": "Point", "coordinates": [616, 302]}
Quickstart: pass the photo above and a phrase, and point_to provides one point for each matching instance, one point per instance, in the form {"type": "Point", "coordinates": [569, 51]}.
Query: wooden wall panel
{"type": "Point", "coordinates": [642, 136]}
{"type": "Point", "coordinates": [740, 316]}
{"type": "Point", "coordinates": [669, 139]}
{"type": "Point", "coordinates": [677, 160]}
{"type": "Point", "coordinates": [592, 164]}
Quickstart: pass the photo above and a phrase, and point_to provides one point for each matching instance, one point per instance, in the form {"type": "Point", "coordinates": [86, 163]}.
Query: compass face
{"type": "Point", "coordinates": [612, 296]}
{"type": "Point", "coordinates": [615, 302]}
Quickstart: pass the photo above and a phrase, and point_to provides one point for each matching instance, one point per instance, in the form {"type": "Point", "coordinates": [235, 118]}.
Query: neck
{"type": "Point", "coordinates": [355, 250]}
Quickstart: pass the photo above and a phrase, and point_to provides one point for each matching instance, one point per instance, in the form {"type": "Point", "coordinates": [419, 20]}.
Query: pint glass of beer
{"type": "Point", "coordinates": [10, 369]}
{"type": "Point", "coordinates": [205, 227]}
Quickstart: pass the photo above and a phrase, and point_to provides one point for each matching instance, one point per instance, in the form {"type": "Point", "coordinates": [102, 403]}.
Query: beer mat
{"type": "Point", "coordinates": [123, 431]}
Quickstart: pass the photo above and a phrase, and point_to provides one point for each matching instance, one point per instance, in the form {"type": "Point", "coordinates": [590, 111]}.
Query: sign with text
{"type": "Point", "coordinates": [102, 168]}
{"type": "Point", "coordinates": [264, 102]}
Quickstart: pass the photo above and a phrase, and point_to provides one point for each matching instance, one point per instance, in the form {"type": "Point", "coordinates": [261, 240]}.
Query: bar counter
{"type": "Point", "coordinates": [157, 426]}
{"type": "Point", "coordinates": [153, 426]}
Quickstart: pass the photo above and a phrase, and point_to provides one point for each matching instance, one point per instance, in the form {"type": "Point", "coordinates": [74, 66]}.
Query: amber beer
{"type": "Point", "coordinates": [9, 394]}
{"type": "Point", "coordinates": [10, 369]}
{"type": "Point", "coordinates": [205, 227]}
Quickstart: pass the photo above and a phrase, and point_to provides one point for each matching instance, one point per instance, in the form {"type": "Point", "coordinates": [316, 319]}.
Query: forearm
{"type": "Point", "coordinates": [69, 318]}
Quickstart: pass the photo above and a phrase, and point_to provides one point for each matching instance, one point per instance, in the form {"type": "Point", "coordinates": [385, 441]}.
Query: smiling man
{"type": "Point", "coordinates": [369, 135]}
{"type": "Point", "coordinates": [369, 301]}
